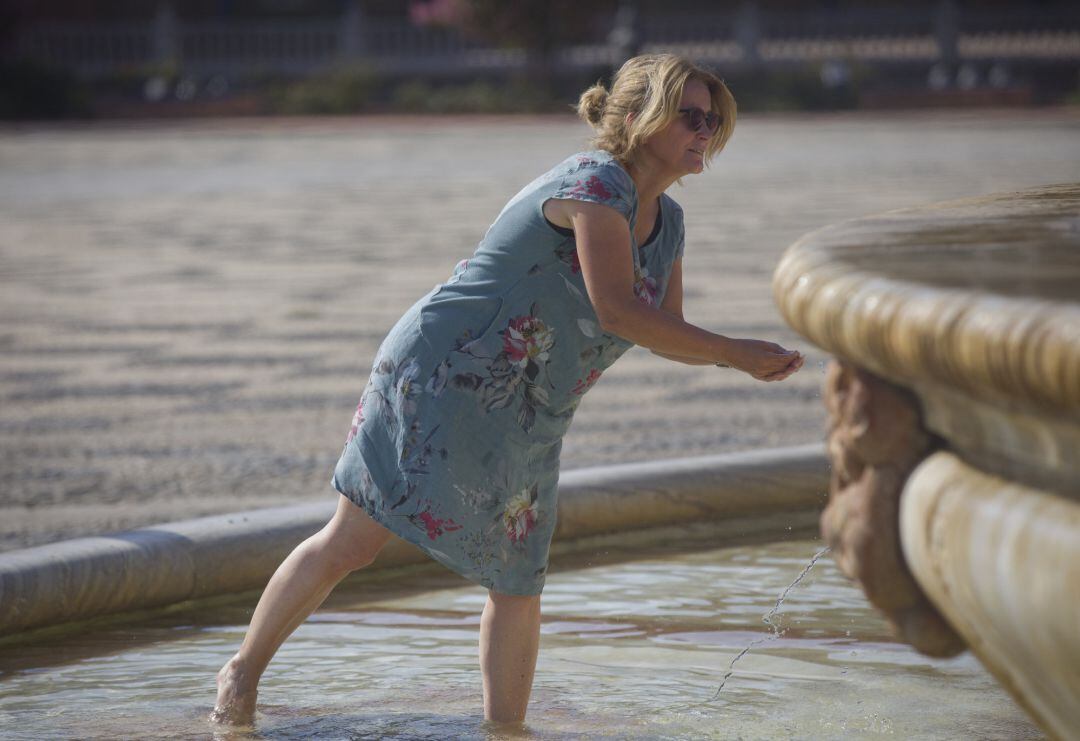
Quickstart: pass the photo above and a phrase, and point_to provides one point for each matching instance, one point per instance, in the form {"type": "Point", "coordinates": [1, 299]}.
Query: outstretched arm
{"type": "Point", "coordinates": [672, 304]}
{"type": "Point", "coordinates": [604, 244]}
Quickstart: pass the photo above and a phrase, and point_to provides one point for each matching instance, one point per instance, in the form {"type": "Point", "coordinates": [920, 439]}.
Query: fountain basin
{"type": "Point", "coordinates": [955, 419]}
{"type": "Point", "coordinates": [636, 638]}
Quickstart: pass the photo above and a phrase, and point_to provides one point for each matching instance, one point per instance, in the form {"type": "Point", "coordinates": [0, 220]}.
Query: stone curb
{"type": "Point", "coordinates": [174, 562]}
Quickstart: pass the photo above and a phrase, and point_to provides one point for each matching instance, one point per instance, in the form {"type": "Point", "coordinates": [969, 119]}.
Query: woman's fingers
{"type": "Point", "coordinates": [767, 361]}
{"type": "Point", "coordinates": [786, 371]}
{"type": "Point", "coordinates": [789, 359]}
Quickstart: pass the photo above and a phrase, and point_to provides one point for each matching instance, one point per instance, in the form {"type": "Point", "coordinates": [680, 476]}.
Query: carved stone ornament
{"type": "Point", "coordinates": [875, 441]}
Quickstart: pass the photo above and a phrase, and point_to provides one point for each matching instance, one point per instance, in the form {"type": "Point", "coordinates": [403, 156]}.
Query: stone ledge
{"type": "Point", "coordinates": [195, 559]}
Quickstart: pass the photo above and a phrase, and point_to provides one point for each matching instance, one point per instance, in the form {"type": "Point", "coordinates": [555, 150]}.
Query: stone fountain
{"type": "Point", "coordinates": [954, 432]}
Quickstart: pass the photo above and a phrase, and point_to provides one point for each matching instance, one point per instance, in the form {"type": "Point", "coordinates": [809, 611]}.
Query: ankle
{"type": "Point", "coordinates": [236, 694]}
{"type": "Point", "coordinates": [238, 673]}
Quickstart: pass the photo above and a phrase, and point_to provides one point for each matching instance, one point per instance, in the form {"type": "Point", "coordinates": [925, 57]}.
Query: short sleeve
{"type": "Point", "coordinates": [600, 182]}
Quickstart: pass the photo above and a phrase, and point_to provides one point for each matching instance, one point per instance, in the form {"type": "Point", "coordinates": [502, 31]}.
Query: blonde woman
{"type": "Point", "coordinates": [455, 443]}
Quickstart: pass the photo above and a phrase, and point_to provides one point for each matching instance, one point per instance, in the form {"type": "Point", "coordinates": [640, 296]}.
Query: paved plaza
{"type": "Point", "coordinates": [188, 312]}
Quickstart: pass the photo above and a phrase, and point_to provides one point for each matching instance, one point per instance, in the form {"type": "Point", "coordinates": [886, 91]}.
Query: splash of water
{"type": "Point", "coordinates": [775, 631]}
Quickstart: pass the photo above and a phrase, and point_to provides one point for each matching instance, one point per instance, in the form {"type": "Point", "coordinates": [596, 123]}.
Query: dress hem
{"type": "Point", "coordinates": [416, 539]}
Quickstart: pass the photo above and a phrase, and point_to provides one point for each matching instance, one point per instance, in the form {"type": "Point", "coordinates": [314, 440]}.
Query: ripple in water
{"type": "Point", "coordinates": [629, 650]}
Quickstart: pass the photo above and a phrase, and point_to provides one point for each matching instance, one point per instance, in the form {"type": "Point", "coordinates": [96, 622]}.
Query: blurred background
{"type": "Point", "coordinates": [109, 58]}
{"type": "Point", "coordinates": [198, 263]}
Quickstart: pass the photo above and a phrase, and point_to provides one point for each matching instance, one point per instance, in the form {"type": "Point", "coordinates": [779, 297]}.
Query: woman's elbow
{"type": "Point", "coordinates": [610, 320]}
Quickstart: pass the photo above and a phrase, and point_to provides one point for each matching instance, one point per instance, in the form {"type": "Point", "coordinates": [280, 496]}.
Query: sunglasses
{"type": "Point", "coordinates": [695, 117]}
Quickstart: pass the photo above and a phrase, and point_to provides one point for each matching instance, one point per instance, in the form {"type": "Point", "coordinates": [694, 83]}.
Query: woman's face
{"type": "Point", "coordinates": [677, 148]}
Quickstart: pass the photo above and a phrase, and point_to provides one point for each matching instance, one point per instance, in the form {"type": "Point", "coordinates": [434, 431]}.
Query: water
{"type": "Point", "coordinates": [769, 620]}
{"type": "Point", "coordinates": [631, 649]}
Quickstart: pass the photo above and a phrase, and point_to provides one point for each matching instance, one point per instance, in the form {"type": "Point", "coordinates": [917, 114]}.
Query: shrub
{"type": "Point", "coordinates": [31, 91]}
{"type": "Point", "coordinates": [346, 90]}
{"type": "Point", "coordinates": [480, 96]}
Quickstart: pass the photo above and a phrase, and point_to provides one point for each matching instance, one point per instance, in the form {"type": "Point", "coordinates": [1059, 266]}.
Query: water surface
{"type": "Point", "coordinates": [631, 649]}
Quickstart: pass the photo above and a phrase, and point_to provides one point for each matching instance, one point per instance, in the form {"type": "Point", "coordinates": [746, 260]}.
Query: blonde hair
{"type": "Point", "coordinates": [651, 86]}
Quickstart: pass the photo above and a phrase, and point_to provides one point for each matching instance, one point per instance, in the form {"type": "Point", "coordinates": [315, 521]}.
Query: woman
{"type": "Point", "coordinates": [455, 444]}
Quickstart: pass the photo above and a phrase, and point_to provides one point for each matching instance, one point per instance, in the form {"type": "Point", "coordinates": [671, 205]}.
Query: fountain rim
{"type": "Point", "coordinates": [886, 323]}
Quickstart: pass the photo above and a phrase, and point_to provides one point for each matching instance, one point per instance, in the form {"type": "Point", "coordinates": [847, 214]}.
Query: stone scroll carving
{"type": "Point", "coordinates": [875, 441]}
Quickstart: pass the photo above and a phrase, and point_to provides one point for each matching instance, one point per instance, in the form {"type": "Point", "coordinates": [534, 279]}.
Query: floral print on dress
{"type": "Point", "coordinates": [398, 390]}
{"type": "Point", "coordinates": [439, 376]}
{"type": "Point", "coordinates": [597, 178]}
{"type": "Point", "coordinates": [527, 338]}
{"type": "Point", "coordinates": [480, 547]}
{"type": "Point", "coordinates": [406, 386]}
{"type": "Point", "coordinates": [645, 287]}
{"type": "Point", "coordinates": [518, 372]}
{"type": "Point", "coordinates": [416, 454]}
{"type": "Point", "coordinates": [584, 384]}
{"type": "Point", "coordinates": [424, 516]}
{"type": "Point", "coordinates": [591, 186]}
{"type": "Point", "coordinates": [435, 526]}
{"type": "Point", "coordinates": [357, 420]}
{"type": "Point", "coordinates": [519, 517]}
{"type": "Point", "coordinates": [399, 400]}
{"type": "Point", "coordinates": [569, 256]}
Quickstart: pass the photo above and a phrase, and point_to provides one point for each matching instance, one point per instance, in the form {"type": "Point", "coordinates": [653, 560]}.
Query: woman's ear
{"type": "Point", "coordinates": [630, 117]}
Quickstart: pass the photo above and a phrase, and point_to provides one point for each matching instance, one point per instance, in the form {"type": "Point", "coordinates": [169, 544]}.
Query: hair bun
{"type": "Point", "coordinates": [592, 103]}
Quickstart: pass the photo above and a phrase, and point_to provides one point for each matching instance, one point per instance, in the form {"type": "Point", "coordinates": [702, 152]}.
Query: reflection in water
{"type": "Point", "coordinates": [632, 649]}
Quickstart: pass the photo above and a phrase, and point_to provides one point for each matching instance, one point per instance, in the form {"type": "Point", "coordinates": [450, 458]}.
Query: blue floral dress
{"type": "Point", "coordinates": [455, 443]}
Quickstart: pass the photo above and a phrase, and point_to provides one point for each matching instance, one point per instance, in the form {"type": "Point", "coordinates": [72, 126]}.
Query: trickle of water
{"type": "Point", "coordinates": [768, 620]}
{"type": "Point", "coordinates": [780, 600]}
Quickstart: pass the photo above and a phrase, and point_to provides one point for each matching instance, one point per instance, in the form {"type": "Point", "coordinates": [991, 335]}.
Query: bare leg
{"type": "Point", "coordinates": [509, 639]}
{"type": "Point", "coordinates": [303, 580]}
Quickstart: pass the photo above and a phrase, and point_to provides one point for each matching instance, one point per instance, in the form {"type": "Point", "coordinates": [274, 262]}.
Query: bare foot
{"type": "Point", "coordinates": [235, 704]}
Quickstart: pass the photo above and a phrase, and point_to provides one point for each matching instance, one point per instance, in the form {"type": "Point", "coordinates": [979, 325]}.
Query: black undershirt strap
{"type": "Point", "coordinates": [656, 228]}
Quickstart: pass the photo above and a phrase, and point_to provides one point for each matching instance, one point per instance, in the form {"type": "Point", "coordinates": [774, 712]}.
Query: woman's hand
{"type": "Point", "coordinates": [765, 361]}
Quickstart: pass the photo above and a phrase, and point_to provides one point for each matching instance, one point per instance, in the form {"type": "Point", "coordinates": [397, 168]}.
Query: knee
{"type": "Point", "coordinates": [351, 539]}
{"type": "Point", "coordinates": [514, 602]}
{"type": "Point", "coordinates": [343, 554]}
{"type": "Point", "coordinates": [348, 557]}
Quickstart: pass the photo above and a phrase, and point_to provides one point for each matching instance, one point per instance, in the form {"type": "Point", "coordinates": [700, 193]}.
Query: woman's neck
{"type": "Point", "coordinates": [649, 180]}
